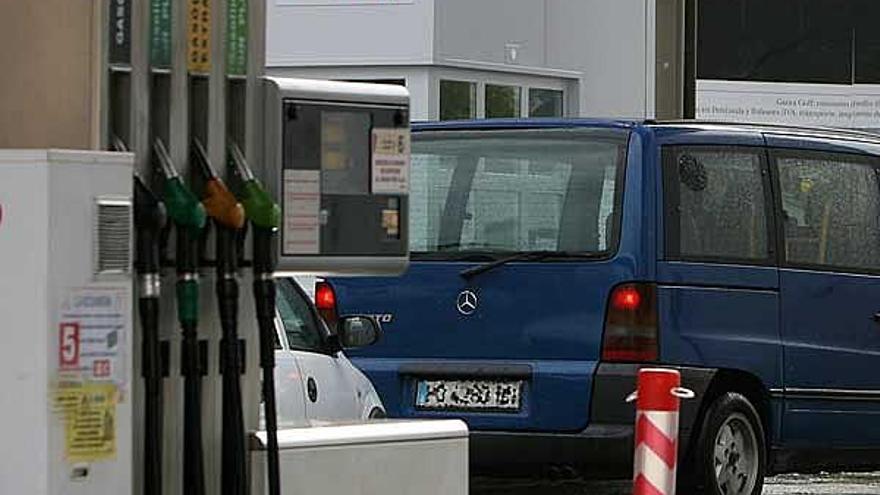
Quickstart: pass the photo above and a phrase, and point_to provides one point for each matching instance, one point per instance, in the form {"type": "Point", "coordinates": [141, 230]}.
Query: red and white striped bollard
{"type": "Point", "coordinates": [656, 430]}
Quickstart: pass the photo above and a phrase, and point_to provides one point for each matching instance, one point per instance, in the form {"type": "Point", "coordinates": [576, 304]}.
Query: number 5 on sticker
{"type": "Point", "coordinates": [68, 349]}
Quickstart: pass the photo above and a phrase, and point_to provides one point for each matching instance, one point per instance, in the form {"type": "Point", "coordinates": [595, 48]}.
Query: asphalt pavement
{"type": "Point", "coordinates": [791, 484]}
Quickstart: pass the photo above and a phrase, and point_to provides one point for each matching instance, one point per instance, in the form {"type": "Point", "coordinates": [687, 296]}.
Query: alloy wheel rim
{"type": "Point", "coordinates": [735, 456]}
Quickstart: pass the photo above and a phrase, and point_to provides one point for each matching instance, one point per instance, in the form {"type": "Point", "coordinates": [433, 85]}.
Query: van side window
{"type": "Point", "coordinates": [830, 210]}
{"type": "Point", "coordinates": [716, 205]}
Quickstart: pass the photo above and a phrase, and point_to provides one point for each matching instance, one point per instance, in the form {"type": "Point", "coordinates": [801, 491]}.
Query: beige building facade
{"type": "Point", "coordinates": [50, 89]}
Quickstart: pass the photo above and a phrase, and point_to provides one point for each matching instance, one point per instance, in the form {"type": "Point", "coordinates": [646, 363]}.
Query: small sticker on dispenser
{"type": "Point", "coordinates": [199, 36]}
{"type": "Point", "coordinates": [91, 335]}
{"type": "Point", "coordinates": [91, 424]}
{"type": "Point", "coordinates": [302, 209]}
{"type": "Point", "coordinates": [67, 398]}
{"type": "Point", "coordinates": [390, 161]}
{"type": "Point", "coordinates": [391, 223]}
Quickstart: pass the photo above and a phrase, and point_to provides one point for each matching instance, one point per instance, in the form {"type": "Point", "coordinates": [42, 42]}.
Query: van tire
{"type": "Point", "coordinates": [731, 443]}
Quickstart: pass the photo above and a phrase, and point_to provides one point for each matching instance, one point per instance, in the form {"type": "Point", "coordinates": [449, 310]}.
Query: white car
{"type": "Point", "coordinates": [314, 381]}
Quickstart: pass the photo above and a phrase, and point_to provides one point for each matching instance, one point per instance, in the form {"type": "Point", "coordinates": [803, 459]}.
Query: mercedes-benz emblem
{"type": "Point", "coordinates": [466, 302]}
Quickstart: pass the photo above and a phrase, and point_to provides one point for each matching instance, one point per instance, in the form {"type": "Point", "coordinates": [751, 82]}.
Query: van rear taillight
{"type": "Point", "coordinates": [631, 324]}
{"type": "Point", "coordinates": [325, 301]}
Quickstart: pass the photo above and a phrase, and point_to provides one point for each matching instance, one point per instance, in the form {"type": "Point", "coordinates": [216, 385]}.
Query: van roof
{"type": "Point", "coordinates": [872, 135]}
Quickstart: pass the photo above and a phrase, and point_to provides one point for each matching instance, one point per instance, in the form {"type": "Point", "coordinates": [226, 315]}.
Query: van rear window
{"type": "Point", "coordinates": [502, 192]}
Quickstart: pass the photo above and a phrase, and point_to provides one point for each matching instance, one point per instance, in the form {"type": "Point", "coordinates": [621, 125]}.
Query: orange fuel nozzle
{"type": "Point", "coordinates": [222, 205]}
{"type": "Point", "coordinates": [219, 202]}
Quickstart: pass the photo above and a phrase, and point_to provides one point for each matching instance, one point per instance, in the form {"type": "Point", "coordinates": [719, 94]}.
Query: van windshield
{"type": "Point", "coordinates": [501, 192]}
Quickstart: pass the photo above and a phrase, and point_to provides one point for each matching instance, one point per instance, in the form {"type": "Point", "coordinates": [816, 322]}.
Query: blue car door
{"type": "Point", "coordinates": [829, 203]}
{"type": "Point", "coordinates": [718, 280]}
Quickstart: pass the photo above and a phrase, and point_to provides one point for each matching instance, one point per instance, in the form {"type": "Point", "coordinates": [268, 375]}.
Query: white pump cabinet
{"type": "Point", "coordinates": [65, 308]}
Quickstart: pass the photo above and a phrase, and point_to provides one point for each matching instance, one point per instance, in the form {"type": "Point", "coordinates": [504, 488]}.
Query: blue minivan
{"type": "Point", "coordinates": [553, 258]}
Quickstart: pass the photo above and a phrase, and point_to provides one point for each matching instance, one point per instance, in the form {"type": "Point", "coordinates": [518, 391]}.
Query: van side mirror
{"type": "Point", "coordinates": [358, 331]}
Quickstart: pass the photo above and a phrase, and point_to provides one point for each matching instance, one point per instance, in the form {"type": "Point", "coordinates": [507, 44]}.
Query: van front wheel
{"type": "Point", "coordinates": [730, 454]}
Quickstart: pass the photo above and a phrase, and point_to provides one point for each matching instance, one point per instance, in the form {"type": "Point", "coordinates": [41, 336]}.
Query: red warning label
{"type": "Point", "coordinates": [68, 345]}
{"type": "Point", "coordinates": [101, 368]}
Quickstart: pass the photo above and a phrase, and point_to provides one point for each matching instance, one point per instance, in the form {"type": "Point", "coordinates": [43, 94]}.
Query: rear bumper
{"type": "Point", "coordinates": [604, 448]}
{"type": "Point", "coordinates": [598, 451]}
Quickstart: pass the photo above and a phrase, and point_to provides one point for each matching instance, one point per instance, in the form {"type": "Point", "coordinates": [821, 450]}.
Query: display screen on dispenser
{"type": "Point", "coordinates": [342, 170]}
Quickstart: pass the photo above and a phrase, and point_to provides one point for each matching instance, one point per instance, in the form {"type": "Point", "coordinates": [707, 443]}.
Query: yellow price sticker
{"type": "Point", "coordinates": [199, 36]}
{"type": "Point", "coordinates": [89, 412]}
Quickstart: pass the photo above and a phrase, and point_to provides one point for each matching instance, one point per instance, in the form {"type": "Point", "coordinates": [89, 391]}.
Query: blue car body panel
{"type": "Point", "coordinates": [830, 350]}
{"type": "Point", "coordinates": [559, 341]}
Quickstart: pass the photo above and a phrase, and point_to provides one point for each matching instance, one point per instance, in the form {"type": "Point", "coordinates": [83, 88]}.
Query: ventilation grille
{"type": "Point", "coordinates": [113, 236]}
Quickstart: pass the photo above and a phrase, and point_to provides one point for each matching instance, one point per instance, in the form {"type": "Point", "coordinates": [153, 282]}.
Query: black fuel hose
{"type": "Point", "coordinates": [149, 220]}
{"type": "Point", "coordinates": [265, 218]}
{"type": "Point", "coordinates": [228, 217]}
{"type": "Point", "coordinates": [189, 218]}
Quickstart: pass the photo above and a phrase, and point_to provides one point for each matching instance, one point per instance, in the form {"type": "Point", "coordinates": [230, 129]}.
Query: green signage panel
{"type": "Point", "coordinates": [236, 37]}
{"type": "Point", "coordinates": [160, 33]}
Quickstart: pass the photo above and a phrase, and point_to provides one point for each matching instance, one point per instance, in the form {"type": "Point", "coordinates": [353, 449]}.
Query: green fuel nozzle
{"type": "Point", "coordinates": [188, 216]}
{"type": "Point", "coordinates": [263, 213]}
{"type": "Point", "coordinates": [183, 206]}
{"type": "Point", "coordinates": [259, 207]}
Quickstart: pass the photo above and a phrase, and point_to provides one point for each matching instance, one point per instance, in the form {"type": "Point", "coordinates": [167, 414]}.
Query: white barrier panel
{"type": "Point", "coordinates": [381, 457]}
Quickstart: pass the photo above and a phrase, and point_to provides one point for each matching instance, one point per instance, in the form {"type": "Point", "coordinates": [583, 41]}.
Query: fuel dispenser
{"type": "Point", "coordinates": [66, 306]}
{"type": "Point", "coordinates": [337, 158]}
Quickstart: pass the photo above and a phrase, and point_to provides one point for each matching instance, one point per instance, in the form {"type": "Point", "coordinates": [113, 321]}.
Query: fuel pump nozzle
{"type": "Point", "coordinates": [229, 218]}
{"type": "Point", "coordinates": [265, 217]}
{"type": "Point", "coordinates": [188, 216]}
{"type": "Point", "coordinates": [149, 220]}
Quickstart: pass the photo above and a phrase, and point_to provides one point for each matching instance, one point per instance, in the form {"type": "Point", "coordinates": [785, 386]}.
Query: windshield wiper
{"type": "Point", "coordinates": [467, 255]}
{"type": "Point", "coordinates": [525, 256]}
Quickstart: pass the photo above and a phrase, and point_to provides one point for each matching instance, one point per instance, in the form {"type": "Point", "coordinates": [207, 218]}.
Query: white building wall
{"type": "Point", "coordinates": [335, 32]}
{"type": "Point", "coordinates": [486, 31]}
{"type": "Point", "coordinates": [600, 51]}
{"type": "Point", "coordinates": [612, 42]}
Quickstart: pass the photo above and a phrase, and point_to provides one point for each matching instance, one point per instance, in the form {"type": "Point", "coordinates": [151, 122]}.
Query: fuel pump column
{"type": "Point", "coordinates": [188, 216]}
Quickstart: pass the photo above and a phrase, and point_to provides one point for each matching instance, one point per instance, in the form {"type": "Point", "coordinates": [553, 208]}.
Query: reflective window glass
{"type": "Point", "coordinates": [545, 103]}
{"type": "Point", "coordinates": [502, 101]}
{"type": "Point", "coordinates": [715, 205]}
{"type": "Point", "coordinates": [458, 100]}
{"type": "Point", "coordinates": [300, 325]}
{"type": "Point", "coordinates": [510, 191]}
{"type": "Point", "coordinates": [831, 210]}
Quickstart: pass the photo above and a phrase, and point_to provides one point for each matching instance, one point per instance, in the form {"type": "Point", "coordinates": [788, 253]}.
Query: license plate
{"type": "Point", "coordinates": [495, 395]}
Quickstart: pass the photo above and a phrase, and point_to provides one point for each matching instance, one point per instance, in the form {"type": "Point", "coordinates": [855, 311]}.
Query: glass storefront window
{"type": "Point", "coordinates": [502, 101]}
{"type": "Point", "coordinates": [545, 103]}
{"type": "Point", "coordinates": [458, 100]}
